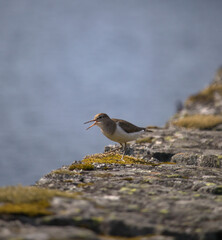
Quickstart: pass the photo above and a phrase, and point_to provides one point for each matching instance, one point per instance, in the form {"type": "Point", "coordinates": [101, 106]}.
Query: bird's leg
{"type": "Point", "coordinates": [124, 150]}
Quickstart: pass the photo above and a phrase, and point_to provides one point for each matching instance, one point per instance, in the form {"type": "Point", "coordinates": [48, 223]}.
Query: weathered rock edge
{"type": "Point", "coordinates": [176, 195]}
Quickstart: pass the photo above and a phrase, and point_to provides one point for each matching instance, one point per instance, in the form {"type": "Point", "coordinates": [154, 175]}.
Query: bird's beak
{"type": "Point", "coordinates": [92, 124]}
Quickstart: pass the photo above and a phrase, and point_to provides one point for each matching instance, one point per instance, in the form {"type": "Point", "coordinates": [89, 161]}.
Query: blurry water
{"type": "Point", "coordinates": [61, 62]}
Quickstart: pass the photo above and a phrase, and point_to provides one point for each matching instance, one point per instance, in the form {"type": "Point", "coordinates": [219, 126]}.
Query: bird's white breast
{"type": "Point", "coordinates": [121, 136]}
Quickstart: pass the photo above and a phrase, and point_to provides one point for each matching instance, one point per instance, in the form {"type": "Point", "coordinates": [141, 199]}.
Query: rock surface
{"type": "Point", "coordinates": [207, 102]}
{"type": "Point", "coordinates": [177, 194]}
{"type": "Point", "coordinates": [174, 192]}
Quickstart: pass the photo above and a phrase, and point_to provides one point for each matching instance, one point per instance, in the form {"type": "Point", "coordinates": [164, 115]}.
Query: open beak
{"type": "Point", "coordinates": [92, 124]}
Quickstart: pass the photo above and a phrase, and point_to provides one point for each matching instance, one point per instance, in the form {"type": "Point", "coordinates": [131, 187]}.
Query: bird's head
{"type": "Point", "coordinates": [99, 119]}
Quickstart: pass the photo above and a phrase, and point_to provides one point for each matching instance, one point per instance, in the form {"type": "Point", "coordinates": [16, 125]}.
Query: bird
{"type": "Point", "coordinates": [117, 130]}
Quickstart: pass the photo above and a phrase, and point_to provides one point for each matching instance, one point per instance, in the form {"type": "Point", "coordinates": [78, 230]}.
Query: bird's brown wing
{"type": "Point", "coordinates": [127, 126]}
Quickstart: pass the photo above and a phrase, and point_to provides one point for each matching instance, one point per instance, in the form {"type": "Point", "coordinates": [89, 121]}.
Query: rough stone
{"type": "Point", "coordinates": [176, 194]}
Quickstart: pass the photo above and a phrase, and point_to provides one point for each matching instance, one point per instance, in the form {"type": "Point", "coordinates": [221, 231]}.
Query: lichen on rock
{"type": "Point", "coordinates": [29, 201]}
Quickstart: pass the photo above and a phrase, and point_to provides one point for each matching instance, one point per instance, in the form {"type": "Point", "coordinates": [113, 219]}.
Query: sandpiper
{"type": "Point", "coordinates": [117, 130]}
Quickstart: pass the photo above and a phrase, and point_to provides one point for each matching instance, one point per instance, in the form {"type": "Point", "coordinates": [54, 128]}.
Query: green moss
{"type": "Point", "coordinates": [205, 96]}
{"type": "Point", "coordinates": [30, 201]}
{"type": "Point", "coordinates": [174, 176]}
{"type": "Point", "coordinates": [164, 211]}
{"type": "Point", "coordinates": [182, 192]}
{"type": "Point", "coordinates": [198, 230]}
{"type": "Point", "coordinates": [128, 190]}
{"type": "Point", "coordinates": [218, 199]}
{"type": "Point", "coordinates": [209, 184]}
{"type": "Point", "coordinates": [145, 140]}
{"type": "Point", "coordinates": [199, 121]}
{"type": "Point", "coordinates": [98, 219]}
{"type": "Point", "coordinates": [197, 195]}
{"type": "Point", "coordinates": [91, 223]}
{"type": "Point", "coordinates": [145, 210]}
{"type": "Point", "coordinates": [218, 190]}
{"type": "Point", "coordinates": [219, 161]}
{"type": "Point", "coordinates": [111, 158]}
{"type": "Point", "coordinates": [169, 138]}
{"type": "Point", "coordinates": [81, 166]}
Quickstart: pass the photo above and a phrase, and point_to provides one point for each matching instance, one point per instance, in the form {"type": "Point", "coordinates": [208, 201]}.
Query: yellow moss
{"type": "Point", "coordinates": [64, 171]}
{"type": "Point", "coordinates": [29, 209]}
{"type": "Point", "coordinates": [68, 181]}
{"type": "Point", "coordinates": [199, 121]}
{"type": "Point", "coordinates": [128, 178]}
{"type": "Point", "coordinates": [22, 194]}
{"type": "Point", "coordinates": [30, 201]}
{"type": "Point", "coordinates": [84, 184]}
{"type": "Point", "coordinates": [103, 175]}
{"type": "Point", "coordinates": [81, 166]}
{"type": "Point", "coordinates": [145, 140]}
{"type": "Point", "coordinates": [164, 163]}
{"type": "Point", "coordinates": [206, 95]}
{"type": "Point", "coordinates": [111, 158]}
